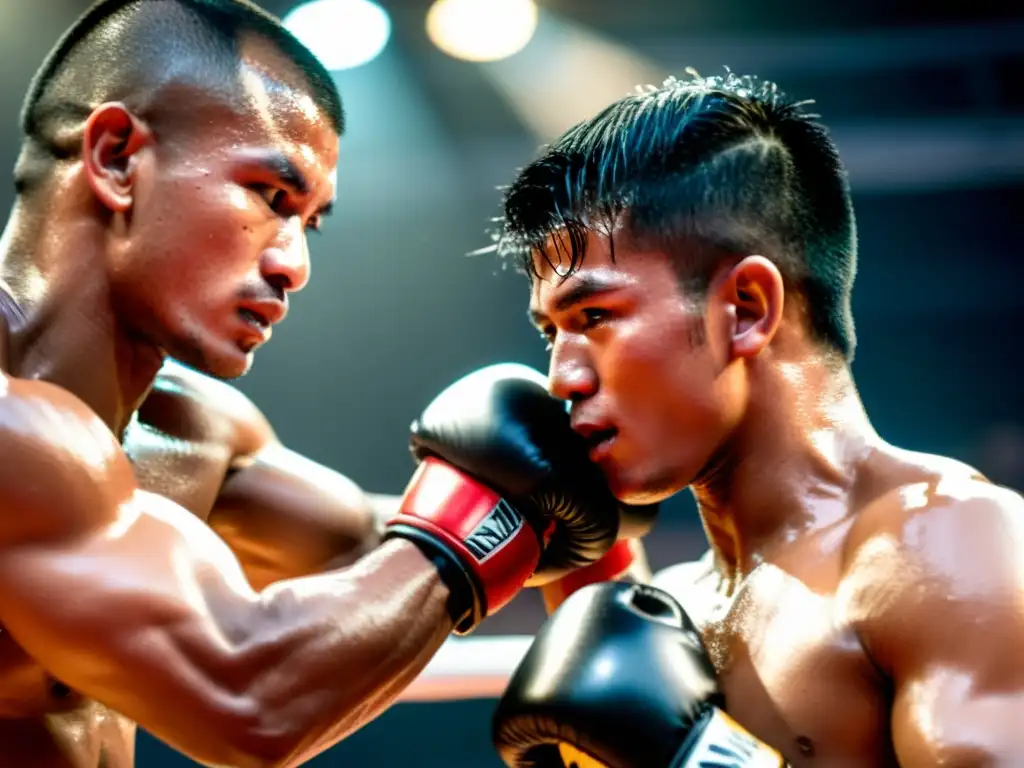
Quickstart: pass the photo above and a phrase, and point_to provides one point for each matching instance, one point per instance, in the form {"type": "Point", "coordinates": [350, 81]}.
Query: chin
{"type": "Point", "coordinates": [642, 497]}
{"type": "Point", "coordinates": [639, 488]}
{"type": "Point", "coordinates": [231, 370]}
{"type": "Point", "coordinates": [232, 366]}
{"type": "Point", "coordinates": [221, 361]}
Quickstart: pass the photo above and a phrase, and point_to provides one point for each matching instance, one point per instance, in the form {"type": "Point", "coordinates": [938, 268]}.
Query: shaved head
{"type": "Point", "coordinates": [165, 60]}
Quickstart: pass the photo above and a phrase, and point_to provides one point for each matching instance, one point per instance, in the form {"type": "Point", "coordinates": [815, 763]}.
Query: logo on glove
{"type": "Point", "coordinates": [494, 531]}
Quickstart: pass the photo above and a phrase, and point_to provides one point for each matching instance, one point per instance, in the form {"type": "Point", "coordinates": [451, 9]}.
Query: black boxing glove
{"type": "Point", "coordinates": [619, 677]}
{"type": "Point", "coordinates": [504, 490]}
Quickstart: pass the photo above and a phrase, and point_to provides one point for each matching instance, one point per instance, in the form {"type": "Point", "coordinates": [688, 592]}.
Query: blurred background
{"type": "Point", "coordinates": [446, 100]}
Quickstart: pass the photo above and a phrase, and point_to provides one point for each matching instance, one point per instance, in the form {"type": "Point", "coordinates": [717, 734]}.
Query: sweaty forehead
{"type": "Point", "coordinates": [554, 273]}
{"type": "Point", "coordinates": [285, 111]}
{"type": "Point", "coordinates": [552, 262]}
{"type": "Point", "coordinates": [610, 264]}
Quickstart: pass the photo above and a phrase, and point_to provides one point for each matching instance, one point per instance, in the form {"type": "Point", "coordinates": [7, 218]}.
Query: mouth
{"type": "Point", "coordinates": [259, 325]}
{"type": "Point", "coordinates": [599, 443]}
{"type": "Point", "coordinates": [255, 319]}
{"type": "Point", "coordinates": [263, 313]}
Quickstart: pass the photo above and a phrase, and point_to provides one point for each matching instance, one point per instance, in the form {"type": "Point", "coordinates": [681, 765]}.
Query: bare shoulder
{"type": "Point", "coordinates": [942, 549]}
{"type": "Point", "coordinates": [952, 519]}
{"type": "Point", "coordinates": [190, 405]}
{"type": "Point", "coordinates": [924, 494]}
{"type": "Point", "coordinates": [61, 468]}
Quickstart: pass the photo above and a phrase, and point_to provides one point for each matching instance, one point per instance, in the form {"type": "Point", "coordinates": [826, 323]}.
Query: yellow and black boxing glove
{"type": "Point", "coordinates": [618, 677]}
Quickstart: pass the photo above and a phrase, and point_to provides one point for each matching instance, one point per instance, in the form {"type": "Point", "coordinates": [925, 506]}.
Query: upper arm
{"type": "Point", "coordinates": [937, 594]}
{"type": "Point", "coordinates": [287, 516]}
{"type": "Point", "coordinates": [120, 594]}
{"type": "Point", "coordinates": [282, 514]}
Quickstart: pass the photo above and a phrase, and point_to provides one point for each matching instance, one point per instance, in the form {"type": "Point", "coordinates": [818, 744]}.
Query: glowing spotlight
{"type": "Point", "coordinates": [341, 33]}
{"type": "Point", "coordinates": [481, 30]}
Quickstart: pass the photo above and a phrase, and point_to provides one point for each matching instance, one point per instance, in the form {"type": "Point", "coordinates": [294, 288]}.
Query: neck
{"type": "Point", "coordinates": [64, 328]}
{"type": "Point", "coordinates": [789, 468]}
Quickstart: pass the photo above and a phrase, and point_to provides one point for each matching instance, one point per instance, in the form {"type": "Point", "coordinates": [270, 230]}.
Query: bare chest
{"type": "Point", "coordinates": [793, 672]}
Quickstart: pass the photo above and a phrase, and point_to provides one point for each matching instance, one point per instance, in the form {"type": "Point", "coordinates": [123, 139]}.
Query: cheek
{"type": "Point", "coordinates": [667, 384]}
{"type": "Point", "coordinates": [192, 230]}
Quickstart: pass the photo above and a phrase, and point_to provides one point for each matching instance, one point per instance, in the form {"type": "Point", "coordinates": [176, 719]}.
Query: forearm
{"type": "Point", "coordinates": [223, 674]}
{"type": "Point", "coordinates": [285, 516]}
{"type": "Point", "coordinates": [350, 641]}
{"type": "Point", "coordinates": [307, 662]}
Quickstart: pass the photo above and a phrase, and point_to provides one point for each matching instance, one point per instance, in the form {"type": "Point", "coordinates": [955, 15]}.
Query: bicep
{"type": "Point", "coordinates": [283, 515]}
{"type": "Point", "coordinates": [287, 516]}
{"type": "Point", "coordinates": [147, 613]}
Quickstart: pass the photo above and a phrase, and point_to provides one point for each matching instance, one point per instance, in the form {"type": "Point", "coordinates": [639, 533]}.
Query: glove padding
{"type": "Point", "coordinates": [619, 674]}
{"type": "Point", "coordinates": [504, 491]}
{"type": "Point", "coordinates": [501, 426]}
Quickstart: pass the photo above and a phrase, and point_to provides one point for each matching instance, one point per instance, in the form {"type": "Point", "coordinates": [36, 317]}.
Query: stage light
{"type": "Point", "coordinates": [342, 34]}
{"type": "Point", "coordinates": [481, 30]}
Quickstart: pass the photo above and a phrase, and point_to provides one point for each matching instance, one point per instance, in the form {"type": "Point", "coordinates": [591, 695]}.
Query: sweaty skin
{"type": "Point", "coordinates": [112, 592]}
{"type": "Point", "coordinates": [203, 444]}
{"type": "Point", "coordinates": [865, 640]}
{"type": "Point", "coordinates": [120, 603]}
{"type": "Point", "coordinates": [862, 604]}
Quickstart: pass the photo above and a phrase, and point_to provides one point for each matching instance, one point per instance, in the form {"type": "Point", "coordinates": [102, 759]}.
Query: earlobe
{"type": "Point", "coordinates": [756, 292]}
{"type": "Point", "coordinates": [110, 146]}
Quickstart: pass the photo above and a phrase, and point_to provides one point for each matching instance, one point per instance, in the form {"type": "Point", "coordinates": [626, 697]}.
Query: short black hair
{"type": "Point", "coordinates": [128, 49]}
{"type": "Point", "coordinates": [702, 168]}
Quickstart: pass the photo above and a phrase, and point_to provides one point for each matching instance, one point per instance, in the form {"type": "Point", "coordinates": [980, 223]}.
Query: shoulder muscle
{"type": "Point", "coordinates": [61, 469]}
{"type": "Point", "coordinates": [932, 560]}
{"type": "Point", "coordinates": [192, 406]}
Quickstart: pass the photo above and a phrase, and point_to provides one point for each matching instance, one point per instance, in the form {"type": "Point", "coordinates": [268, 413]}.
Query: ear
{"type": "Point", "coordinates": [110, 147]}
{"type": "Point", "coordinates": [754, 293]}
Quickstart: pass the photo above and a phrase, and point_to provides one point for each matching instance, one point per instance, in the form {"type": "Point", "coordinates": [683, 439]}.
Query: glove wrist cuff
{"type": "Point", "coordinates": [482, 542]}
{"type": "Point", "coordinates": [464, 605]}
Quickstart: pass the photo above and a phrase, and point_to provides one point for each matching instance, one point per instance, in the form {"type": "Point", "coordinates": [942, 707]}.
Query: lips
{"type": "Point", "coordinates": [263, 314]}
{"type": "Point", "coordinates": [253, 318]}
{"type": "Point", "coordinates": [601, 445]}
{"type": "Point", "coordinates": [598, 437]}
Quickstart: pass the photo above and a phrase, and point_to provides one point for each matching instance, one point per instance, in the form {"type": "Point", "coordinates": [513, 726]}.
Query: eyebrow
{"type": "Point", "coordinates": [584, 287]}
{"type": "Point", "coordinates": [287, 171]}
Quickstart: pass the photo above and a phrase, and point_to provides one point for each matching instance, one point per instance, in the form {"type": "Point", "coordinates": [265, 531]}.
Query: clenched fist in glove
{"type": "Point", "coordinates": [618, 677]}
{"type": "Point", "coordinates": [505, 493]}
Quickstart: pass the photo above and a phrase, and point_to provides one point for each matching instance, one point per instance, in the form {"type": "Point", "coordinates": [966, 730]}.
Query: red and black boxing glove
{"type": "Point", "coordinates": [504, 490]}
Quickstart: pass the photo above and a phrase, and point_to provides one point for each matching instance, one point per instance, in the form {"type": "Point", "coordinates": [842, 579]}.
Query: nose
{"type": "Point", "coordinates": [286, 264]}
{"type": "Point", "coordinates": [571, 375]}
